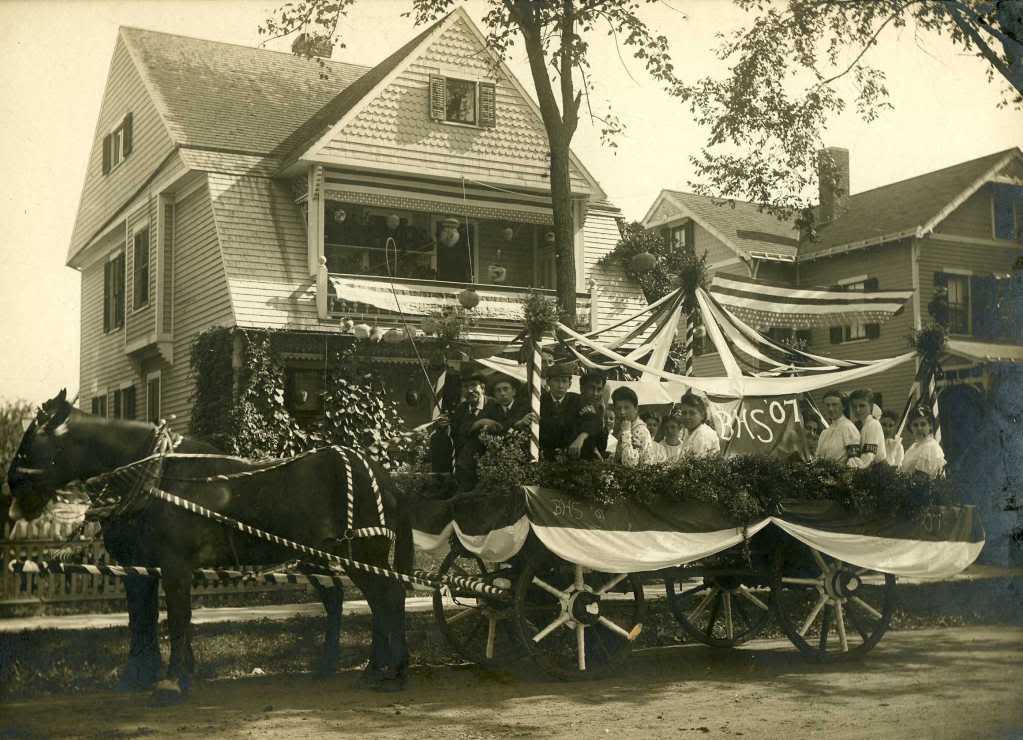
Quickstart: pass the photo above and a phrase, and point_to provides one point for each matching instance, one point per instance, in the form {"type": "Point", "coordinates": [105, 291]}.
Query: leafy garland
{"type": "Point", "coordinates": [244, 412]}
{"type": "Point", "coordinates": [746, 487]}
{"type": "Point", "coordinates": [541, 314]}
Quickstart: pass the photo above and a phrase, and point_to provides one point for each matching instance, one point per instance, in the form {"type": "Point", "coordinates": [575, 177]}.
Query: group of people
{"type": "Point", "coordinates": [581, 426]}
{"type": "Point", "coordinates": [586, 426]}
{"type": "Point", "coordinates": [860, 439]}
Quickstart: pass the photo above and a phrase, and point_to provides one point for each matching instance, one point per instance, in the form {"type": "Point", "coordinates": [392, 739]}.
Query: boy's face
{"type": "Point", "coordinates": [559, 385]}
{"type": "Point", "coordinates": [813, 430]}
{"type": "Point", "coordinates": [625, 410]}
{"type": "Point", "coordinates": [672, 429]}
{"type": "Point", "coordinates": [652, 423]}
{"type": "Point", "coordinates": [888, 425]}
{"type": "Point", "coordinates": [860, 408]}
{"type": "Point", "coordinates": [504, 393]}
{"type": "Point", "coordinates": [473, 391]}
{"type": "Point", "coordinates": [592, 391]}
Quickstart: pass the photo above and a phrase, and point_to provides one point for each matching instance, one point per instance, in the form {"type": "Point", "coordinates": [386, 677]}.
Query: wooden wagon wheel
{"type": "Point", "coordinates": [829, 609]}
{"type": "Point", "coordinates": [722, 610]}
{"type": "Point", "coordinates": [477, 627]}
{"type": "Point", "coordinates": [577, 624]}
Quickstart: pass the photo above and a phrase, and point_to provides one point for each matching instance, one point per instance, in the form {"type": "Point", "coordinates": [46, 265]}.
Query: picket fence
{"type": "Point", "coordinates": [33, 540]}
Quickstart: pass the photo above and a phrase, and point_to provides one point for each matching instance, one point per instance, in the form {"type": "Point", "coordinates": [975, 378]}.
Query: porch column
{"type": "Point", "coordinates": [314, 219]}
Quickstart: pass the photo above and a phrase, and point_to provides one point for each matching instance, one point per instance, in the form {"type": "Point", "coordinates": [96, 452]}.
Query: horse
{"type": "Point", "coordinates": [304, 499]}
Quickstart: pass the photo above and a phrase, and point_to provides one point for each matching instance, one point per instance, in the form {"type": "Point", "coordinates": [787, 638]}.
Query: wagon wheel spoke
{"type": "Point", "coordinates": [857, 624]}
{"type": "Point", "coordinates": [537, 581]}
{"type": "Point", "coordinates": [714, 610]}
{"type": "Point", "coordinates": [702, 605]}
{"type": "Point", "coordinates": [802, 581]}
{"type": "Point", "coordinates": [843, 642]}
{"type": "Point", "coordinates": [813, 615]}
{"type": "Point", "coordinates": [825, 627]}
{"type": "Point", "coordinates": [491, 635]}
{"type": "Point", "coordinates": [741, 610]}
{"type": "Point", "coordinates": [460, 615]}
{"type": "Point", "coordinates": [693, 590]}
{"type": "Point", "coordinates": [748, 595]}
{"type": "Point", "coordinates": [580, 639]}
{"type": "Point", "coordinates": [729, 625]}
{"type": "Point", "coordinates": [611, 584]}
{"type": "Point", "coordinates": [580, 581]}
{"type": "Point", "coordinates": [562, 619]}
{"type": "Point", "coordinates": [820, 560]}
{"type": "Point", "coordinates": [867, 607]}
{"type": "Point", "coordinates": [620, 631]}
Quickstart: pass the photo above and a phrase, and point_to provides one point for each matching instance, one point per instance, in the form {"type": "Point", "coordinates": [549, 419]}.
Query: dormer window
{"type": "Point", "coordinates": [117, 145]}
{"type": "Point", "coordinates": [464, 102]}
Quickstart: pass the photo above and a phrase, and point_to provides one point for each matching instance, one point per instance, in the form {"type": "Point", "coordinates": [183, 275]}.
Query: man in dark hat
{"type": "Point", "coordinates": [465, 432]}
{"type": "Point", "coordinates": [559, 411]}
{"type": "Point", "coordinates": [590, 441]}
{"type": "Point", "coordinates": [505, 410]}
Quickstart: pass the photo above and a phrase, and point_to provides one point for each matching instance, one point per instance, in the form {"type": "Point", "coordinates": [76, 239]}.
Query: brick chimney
{"type": "Point", "coordinates": [832, 182]}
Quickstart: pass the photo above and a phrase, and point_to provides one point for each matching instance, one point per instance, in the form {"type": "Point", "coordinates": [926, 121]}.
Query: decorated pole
{"type": "Point", "coordinates": [691, 315]}
{"type": "Point", "coordinates": [534, 373]}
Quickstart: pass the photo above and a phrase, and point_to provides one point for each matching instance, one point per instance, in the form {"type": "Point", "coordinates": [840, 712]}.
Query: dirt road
{"type": "Point", "coordinates": [947, 683]}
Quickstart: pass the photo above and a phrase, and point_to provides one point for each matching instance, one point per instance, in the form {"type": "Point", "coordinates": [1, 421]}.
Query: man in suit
{"type": "Point", "coordinates": [559, 412]}
{"type": "Point", "coordinates": [465, 433]}
{"type": "Point", "coordinates": [505, 410]}
{"type": "Point", "coordinates": [590, 442]}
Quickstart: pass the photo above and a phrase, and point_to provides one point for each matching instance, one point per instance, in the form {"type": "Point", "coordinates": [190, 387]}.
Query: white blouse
{"type": "Point", "coordinates": [835, 441]}
{"type": "Point", "coordinates": [637, 447]}
{"type": "Point", "coordinates": [872, 447]}
{"type": "Point", "coordinates": [701, 442]}
{"type": "Point", "coordinates": [925, 457]}
{"type": "Point", "coordinates": [671, 452]}
{"type": "Point", "coordinates": [895, 452]}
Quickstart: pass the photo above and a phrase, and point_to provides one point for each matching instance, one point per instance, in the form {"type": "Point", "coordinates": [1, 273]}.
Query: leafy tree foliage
{"type": "Point", "coordinates": [556, 36]}
{"type": "Point", "coordinates": [670, 266]}
{"type": "Point", "coordinates": [767, 115]}
{"type": "Point", "coordinates": [13, 415]}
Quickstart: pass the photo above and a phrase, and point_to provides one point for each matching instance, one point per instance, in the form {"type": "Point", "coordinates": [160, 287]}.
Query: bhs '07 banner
{"type": "Point", "coordinates": [761, 426]}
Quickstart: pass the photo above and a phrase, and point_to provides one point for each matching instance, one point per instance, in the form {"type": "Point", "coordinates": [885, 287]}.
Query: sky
{"type": "Point", "coordinates": [55, 57]}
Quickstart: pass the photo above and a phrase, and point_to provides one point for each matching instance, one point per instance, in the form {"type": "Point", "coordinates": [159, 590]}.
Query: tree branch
{"type": "Point", "coordinates": [866, 47]}
{"type": "Point", "coordinates": [1015, 77]}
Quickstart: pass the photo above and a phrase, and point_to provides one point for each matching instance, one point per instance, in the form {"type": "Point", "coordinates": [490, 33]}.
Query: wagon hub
{"type": "Point", "coordinates": [841, 583]}
{"type": "Point", "coordinates": [585, 608]}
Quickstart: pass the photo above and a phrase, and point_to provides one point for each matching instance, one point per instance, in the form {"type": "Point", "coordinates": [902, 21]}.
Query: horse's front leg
{"type": "Point", "coordinates": [177, 587]}
{"type": "Point", "coordinates": [333, 598]}
{"type": "Point", "coordinates": [143, 669]}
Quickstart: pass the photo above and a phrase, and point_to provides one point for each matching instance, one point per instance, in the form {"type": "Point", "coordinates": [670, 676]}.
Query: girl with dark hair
{"type": "Point", "coordinates": [893, 445]}
{"type": "Point", "coordinates": [635, 445]}
{"type": "Point", "coordinates": [701, 440]}
{"type": "Point", "coordinates": [925, 454]}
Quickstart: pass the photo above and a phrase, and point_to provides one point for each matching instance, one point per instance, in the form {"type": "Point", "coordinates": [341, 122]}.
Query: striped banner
{"type": "Point", "coordinates": [690, 352]}
{"type": "Point", "coordinates": [763, 304]}
{"type": "Point", "coordinates": [534, 372]}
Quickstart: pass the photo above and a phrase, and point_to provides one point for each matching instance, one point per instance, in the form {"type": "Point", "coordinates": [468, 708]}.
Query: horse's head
{"type": "Point", "coordinates": [37, 469]}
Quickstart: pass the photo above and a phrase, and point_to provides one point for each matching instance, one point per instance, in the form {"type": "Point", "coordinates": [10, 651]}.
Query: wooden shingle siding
{"type": "Point", "coordinates": [264, 245]}
{"type": "Point", "coordinates": [892, 266]}
{"type": "Point", "coordinates": [717, 251]}
{"type": "Point", "coordinates": [201, 298]}
{"type": "Point", "coordinates": [103, 194]}
{"type": "Point", "coordinates": [618, 294]}
{"type": "Point", "coordinates": [972, 218]}
{"type": "Point", "coordinates": [396, 129]}
{"type": "Point", "coordinates": [142, 321]}
{"type": "Point", "coordinates": [103, 365]}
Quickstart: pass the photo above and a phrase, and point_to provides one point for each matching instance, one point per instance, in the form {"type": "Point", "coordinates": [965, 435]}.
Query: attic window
{"type": "Point", "coordinates": [117, 145]}
{"type": "Point", "coordinates": [466, 102]}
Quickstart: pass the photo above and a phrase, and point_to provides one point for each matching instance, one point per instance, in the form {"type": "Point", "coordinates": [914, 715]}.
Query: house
{"type": "Point", "coordinates": [958, 228]}
{"type": "Point", "coordinates": [241, 187]}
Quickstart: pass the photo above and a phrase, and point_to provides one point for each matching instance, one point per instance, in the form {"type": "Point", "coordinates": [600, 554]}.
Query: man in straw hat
{"type": "Point", "coordinates": [559, 410]}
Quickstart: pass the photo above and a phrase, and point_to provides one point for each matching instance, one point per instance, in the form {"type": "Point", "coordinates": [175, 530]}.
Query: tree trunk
{"type": "Point", "coordinates": [564, 232]}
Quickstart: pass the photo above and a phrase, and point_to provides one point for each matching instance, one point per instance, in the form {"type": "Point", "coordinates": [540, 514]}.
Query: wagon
{"type": "Point", "coordinates": [572, 575]}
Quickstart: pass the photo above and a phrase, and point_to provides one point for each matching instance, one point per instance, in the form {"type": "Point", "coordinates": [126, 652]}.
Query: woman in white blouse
{"type": "Point", "coordinates": [841, 439]}
{"type": "Point", "coordinates": [871, 448]}
{"type": "Point", "coordinates": [893, 444]}
{"type": "Point", "coordinates": [925, 454]}
{"type": "Point", "coordinates": [701, 440]}
{"type": "Point", "coordinates": [635, 445]}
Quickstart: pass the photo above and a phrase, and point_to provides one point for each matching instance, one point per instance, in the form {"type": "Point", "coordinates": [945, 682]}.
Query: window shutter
{"type": "Point", "coordinates": [870, 285]}
{"type": "Point", "coordinates": [983, 308]}
{"type": "Point", "coordinates": [940, 280]}
{"type": "Point", "coordinates": [129, 402]}
{"type": "Point", "coordinates": [107, 298]}
{"type": "Point", "coordinates": [488, 104]}
{"type": "Point", "coordinates": [107, 153]}
{"type": "Point", "coordinates": [118, 278]}
{"type": "Point", "coordinates": [873, 331]}
{"type": "Point", "coordinates": [127, 134]}
{"type": "Point", "coordinates": [836, 335]}
{"type": "Point", "coordinates": [438, 97]}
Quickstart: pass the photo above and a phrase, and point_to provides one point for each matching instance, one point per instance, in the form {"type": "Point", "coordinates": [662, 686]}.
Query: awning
{"type": "Point", "coordinates": [764, 305]}
{"type": "Point", "coordinates": [984, 351]}
{"type": "Point", "coordinates": [421, 300]}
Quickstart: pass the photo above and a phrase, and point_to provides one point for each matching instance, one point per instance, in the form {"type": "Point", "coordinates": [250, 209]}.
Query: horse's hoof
{"type": "Point", "coordinates": [167, 693]}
